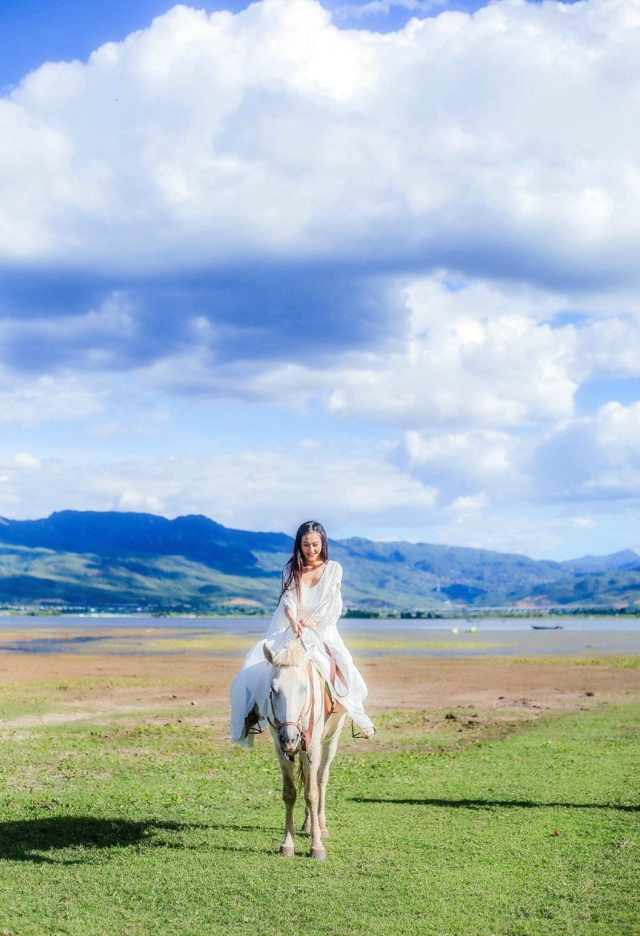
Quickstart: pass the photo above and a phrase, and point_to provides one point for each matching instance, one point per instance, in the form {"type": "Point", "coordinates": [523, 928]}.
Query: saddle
{"type": "Point", "coordinates": [332, 695]}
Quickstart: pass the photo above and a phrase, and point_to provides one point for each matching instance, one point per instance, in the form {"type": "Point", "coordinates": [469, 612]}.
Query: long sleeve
{"type": "Point", "coordinates": [279, 621]}
{"type": "Point", "coordinates": [328, 613]}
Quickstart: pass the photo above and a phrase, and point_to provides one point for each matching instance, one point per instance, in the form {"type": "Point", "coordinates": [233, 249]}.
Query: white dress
{"type": "Point", "coordinates": [322, 603]}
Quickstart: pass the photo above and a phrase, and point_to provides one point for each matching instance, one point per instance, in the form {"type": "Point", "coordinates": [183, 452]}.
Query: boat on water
{"type": "Point", "coordinates": [546, 626]}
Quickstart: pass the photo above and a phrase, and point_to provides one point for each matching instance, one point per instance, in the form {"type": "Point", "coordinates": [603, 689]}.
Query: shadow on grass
{"type": "Point", "coordinates": [491, 803]}
{"type": "Point", "coordinates": [31, 839]}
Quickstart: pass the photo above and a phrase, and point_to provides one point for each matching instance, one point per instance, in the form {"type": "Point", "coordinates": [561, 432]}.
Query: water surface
{"type": "Point", "coordinates": [142, 634]}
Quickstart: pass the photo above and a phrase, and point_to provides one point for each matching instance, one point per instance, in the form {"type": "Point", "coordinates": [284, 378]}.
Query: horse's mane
{"type": "Point", "coordinates": [290, 655]}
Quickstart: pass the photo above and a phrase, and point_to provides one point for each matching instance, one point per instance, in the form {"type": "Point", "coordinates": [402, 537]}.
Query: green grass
{"type": "Point", "coordinates": [438, 827]}
{"type": "Point", "coordinates": [626, 662]}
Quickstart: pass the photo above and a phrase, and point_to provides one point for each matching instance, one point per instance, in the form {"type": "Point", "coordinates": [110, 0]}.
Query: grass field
{"type": "Point", "coordinates": [451, 826]}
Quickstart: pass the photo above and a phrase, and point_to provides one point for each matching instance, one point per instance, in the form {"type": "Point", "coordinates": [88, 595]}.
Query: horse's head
{"type": "Point", "coordinates": [289, 698]}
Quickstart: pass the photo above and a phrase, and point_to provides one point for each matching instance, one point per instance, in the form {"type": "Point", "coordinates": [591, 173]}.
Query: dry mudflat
{"type": "Point", "coordinates": [69, 687]}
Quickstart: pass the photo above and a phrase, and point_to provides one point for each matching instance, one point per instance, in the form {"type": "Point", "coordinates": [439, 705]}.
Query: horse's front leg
{"type": "Point", "coordinates": [310, 767]}
{"type": "Point", "coordinates": [289, 793]}
{"type": "Point", "coordinates": [333, 727]}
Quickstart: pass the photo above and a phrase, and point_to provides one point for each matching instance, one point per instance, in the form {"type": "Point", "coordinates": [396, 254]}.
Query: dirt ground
{"type": "Point", "coordinates": [82, 686]}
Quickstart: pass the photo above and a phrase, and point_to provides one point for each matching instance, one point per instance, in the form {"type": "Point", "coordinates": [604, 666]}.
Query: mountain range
{"type": "Point", "coordinates": [114, 560]}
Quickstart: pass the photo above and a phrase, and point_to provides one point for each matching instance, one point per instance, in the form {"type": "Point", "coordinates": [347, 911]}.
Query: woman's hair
{"type": "Point", "coordinates": [292, 571]}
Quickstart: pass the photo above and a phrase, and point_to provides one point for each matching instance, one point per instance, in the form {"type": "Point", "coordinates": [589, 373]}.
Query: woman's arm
{"type": "Point", "coordinates": [296, 626]}
{"type": "Point", "coordinates": [285, 615]}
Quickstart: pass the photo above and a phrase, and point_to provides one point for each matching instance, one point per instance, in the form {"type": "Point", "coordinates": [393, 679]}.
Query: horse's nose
{"type": "Point", "coordinates": [289, 738]}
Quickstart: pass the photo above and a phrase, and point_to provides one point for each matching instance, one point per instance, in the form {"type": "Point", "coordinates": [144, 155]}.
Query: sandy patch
{"type": "Point", "coordinates": [492, 684]}
{"type": "Point", "coordinates": [93, 686]}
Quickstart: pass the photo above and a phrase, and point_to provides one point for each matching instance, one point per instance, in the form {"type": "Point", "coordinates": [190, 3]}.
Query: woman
{"type": "Point", "coordinates": [310, 606]}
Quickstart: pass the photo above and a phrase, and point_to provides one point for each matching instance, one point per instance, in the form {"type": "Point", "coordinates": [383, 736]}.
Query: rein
{"type": "Point", "coordinates": [306, 734]}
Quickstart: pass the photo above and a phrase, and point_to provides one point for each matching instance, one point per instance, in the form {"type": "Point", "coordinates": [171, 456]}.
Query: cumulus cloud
{"type": "Point", "coordinates": [463, 352]}
{"type": "Point", "coordinates": [475, 354]}
{"type": "Point", "coordinates": [465, 466]}
{"type": "Point", "coordinates": [262, 167]}
{"type": "Point", "coordinates": [584, 463]}
{"type": "Point", "coordinates": [596, 458]}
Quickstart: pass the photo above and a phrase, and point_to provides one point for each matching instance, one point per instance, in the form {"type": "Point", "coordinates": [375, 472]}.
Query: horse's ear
{"type": "Point", "coordinates": [268, 654]}
{"type": "Point", "coordinates": [307, 657]}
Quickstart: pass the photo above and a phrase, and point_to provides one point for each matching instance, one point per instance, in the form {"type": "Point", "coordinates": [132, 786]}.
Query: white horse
{"type": "Point", "coordinates": [301, 725]}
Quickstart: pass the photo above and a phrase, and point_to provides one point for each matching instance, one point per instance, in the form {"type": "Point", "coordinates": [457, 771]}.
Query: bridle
{"type": "Point", "coordinates": [305, 733]}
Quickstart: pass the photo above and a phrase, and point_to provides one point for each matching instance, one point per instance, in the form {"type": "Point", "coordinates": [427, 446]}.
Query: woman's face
{"type": "Point", "coordinates": [311, 545]}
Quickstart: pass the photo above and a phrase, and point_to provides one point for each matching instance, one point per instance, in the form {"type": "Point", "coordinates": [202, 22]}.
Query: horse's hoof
{"type": "Point", "coordinates": [318, 854]}
{"type": "Point", "coordinates": [324, 833]}
{"type": "Point", "coordinates": [287, 851]}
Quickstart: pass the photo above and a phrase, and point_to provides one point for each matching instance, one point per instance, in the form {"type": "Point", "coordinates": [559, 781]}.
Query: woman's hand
{"type": "Point", "coordinates": [308, 622]}
{"type": "Point", "coordinates": [294, 624]}
{"type": "Point", "coordinates": [296, 627]}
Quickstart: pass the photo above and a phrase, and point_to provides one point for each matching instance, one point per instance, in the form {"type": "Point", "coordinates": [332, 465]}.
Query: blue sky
{"type": "Point", "coordinates": [370, 262]}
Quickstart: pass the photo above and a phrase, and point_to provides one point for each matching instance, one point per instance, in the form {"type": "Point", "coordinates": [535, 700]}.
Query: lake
{"type": "Point", "coordinates": [142, 634]}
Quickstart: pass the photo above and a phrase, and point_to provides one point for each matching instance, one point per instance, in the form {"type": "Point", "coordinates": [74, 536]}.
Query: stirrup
{"type": "Point", "coordinates": [252, 723]}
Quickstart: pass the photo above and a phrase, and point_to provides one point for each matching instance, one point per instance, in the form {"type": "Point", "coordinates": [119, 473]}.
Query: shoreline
{"type": "Point", "coordinates": [439, 614]}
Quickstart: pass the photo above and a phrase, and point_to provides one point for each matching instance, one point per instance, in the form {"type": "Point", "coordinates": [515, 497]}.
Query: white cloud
{"type": "Point", "coordinates": [593, 459]}
{"type": "Point", "coordinates": [139, 502]}
{"type": "Point", "coordinates": [21, 462]}
{"type": "Point", "coordinates": [465, 465]}
{"type": "Point", "coordinates": [30, 401]}
{"type": "Point", "coordinates": [482, 488]}
{"type": "Point", "coordinates": [588, 463]}
{"type": "Point", "coordinates": [476, 355]}
{"type": "Point", "coordinates": [497, 145]}
{"type": "Point", "coordinates": [610, 346]}
{"type": "Point", "coordinates": [26, 461]}
{"type": "Point", "coordinates": [272, 132]}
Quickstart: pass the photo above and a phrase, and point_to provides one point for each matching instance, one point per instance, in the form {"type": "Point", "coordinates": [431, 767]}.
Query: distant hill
{"type": "Point", "coordinates": [414, 574]}
{"type": "Point", "coordinates": [613, 588]}
{"type": "Point", "coordinates": [627, 559]}
{"type": "Point", "coordinates": [112, 534]}
{"type": "Point", "coordinates": [132, 560]}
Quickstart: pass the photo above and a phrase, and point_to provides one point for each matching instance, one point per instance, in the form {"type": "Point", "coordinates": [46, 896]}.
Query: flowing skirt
{"type": "Point", "coordinates": [251, 686]}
